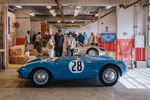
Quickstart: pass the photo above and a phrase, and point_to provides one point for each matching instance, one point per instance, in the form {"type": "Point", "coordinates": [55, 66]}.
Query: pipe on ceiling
{"type": "Point", "coordinates": [59, 4]}
{"type": "Point", "coordinates": [108, 13]}
{"type": "Point", "coordinates": [127, 6]}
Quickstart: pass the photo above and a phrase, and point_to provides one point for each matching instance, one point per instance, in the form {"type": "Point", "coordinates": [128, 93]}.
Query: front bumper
{"type": "Point", "coordinates": [23, 73]}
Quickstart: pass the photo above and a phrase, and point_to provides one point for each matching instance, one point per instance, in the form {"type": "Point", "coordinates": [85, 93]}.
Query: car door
{"type": "Point", "coordinates": [73, 68]}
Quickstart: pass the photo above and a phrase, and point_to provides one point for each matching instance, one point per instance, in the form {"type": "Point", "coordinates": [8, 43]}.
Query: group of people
{"type": "Point", "coordinates": [56, 43]}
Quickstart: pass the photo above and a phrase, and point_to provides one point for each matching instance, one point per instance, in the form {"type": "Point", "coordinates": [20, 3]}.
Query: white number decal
{"type": "Point", "coordinates": [76, 66]}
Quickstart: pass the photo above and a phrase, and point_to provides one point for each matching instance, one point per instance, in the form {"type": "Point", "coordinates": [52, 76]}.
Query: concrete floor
{"type": "Point", "coordinates": [135, 86]}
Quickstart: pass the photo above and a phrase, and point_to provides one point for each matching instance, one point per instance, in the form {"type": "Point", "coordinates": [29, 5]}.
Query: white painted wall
{"type": "Point", "coordinates": [12, 20]}
{"type": "Point", "coordinates": [23, 18]}
{"type": "Point", "coordinates": [36, 26]}
{"type": "Point", "coordinates": [12, 30]}
{"type": "Point", "coordinates": [110, 21]}
{"type": "Point", "coordinates": [125, 22]}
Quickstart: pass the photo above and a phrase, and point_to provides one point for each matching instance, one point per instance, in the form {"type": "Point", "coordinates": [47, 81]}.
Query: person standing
{"type": "Point", "coordinates": [71, 44]}
{"type": "Point", "coordinates": [59, 40]}
{"type": "Point", "coordinates": [33, 40]}
{"type": "Point", "coordinates": [27, 41]}
{"type": "Point", "coordinates": [38, 41]}
{"type": "Point", "coordinates": [92, 39]}
{"type": "Point", "coordinates": [86, 38]}
{"type": "Point", "coordinates": [81, 38]}
{"type": "Point", "coordinates": [50, 46]}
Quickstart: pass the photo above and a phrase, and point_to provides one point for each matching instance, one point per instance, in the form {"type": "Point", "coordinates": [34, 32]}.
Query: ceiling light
{"type": "Point", "coordinates": [96, 15]}
{"type": "Point", "coordinates": [52, 11]}
{"type": "Point", "coordinates": [71, 6]}
{"type": "Point", "coordinates": [58, 21]}
{"type": "Point", "coordinates": [72, 21]}
{"type": "Point", "coordinates": [78, 7]}
{"type": "Point", "coordinates": [20, 7]}
{"type": "Point", "coordinates": [54, 14]}
{"type": "Point", "coordinates": [75, 14]}
{"type": "Point", "coordinates": [77, 10]}
{"type": "Point", "coordinates": [108, 7]}
{"type": "Point", "coordinates": [48, 7]}
{"type": "Point", "coordinates": [32, 14]}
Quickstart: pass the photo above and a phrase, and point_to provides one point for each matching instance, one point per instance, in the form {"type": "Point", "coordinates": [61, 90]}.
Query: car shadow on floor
{"type": "Point", "coordinates": [63, 84]}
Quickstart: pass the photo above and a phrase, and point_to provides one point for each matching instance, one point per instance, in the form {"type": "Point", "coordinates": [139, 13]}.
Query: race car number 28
{"type": "Point", "coordinates": [76, 66]}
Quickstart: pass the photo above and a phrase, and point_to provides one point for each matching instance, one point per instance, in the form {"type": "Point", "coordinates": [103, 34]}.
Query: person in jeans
{"type": "Point", "coordinates": [38, 41]}
{"type": "Point", "coordinates": [27, 41]}
{"type": "Point", "coordinates": [59, 40]}
{"type": "Point", "coordinates": [70, 44]}
{"type": "Point", "coordinates": [50, 46]}
{"type": "Point", "coordinates": [81, 38]}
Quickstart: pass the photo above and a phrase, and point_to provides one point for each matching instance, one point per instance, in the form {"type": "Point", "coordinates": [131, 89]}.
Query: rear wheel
{"type": "Point", "coordinates": [40, 77]}
{"type": "Point", "coordinates": [92, 52]}
{"type": "Point", "coordinates": [109, 75]}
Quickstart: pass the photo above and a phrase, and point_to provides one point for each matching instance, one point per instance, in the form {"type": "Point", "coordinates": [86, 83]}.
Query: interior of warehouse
{"type": "Point", "coordinates": [128, 24]}
{"type": "Point", "coordinates": [98, 49]}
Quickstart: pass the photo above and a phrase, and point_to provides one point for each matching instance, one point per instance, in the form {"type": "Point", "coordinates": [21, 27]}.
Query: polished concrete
{"type": "Point", "coordinates": [135, 86]}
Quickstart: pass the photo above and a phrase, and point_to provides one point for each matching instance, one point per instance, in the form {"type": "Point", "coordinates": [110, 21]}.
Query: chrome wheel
{"type": "Point", "coordinates": [109, 76]}
{"type": "Point", "coordinates": [40, 77]}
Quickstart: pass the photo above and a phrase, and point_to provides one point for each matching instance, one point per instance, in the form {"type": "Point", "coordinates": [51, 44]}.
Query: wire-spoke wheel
{"type": "Point", "coordinates": [92, 52]}
{"type": "Point", "coordinates": [109, 75]}
{"type": "Point", "coordinates": [40, 77]}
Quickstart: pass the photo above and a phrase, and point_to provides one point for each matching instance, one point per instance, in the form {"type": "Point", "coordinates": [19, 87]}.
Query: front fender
{"type": "Point", "coordinates": [25, 70]}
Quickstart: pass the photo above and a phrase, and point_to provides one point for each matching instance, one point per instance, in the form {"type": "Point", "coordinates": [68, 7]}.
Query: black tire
{"type": "Point", "coordinates": [115, 72]}
{"type": "Point", "coordinates": [36, 82]}
{"type": "Point", "coordinates": [92, 50]}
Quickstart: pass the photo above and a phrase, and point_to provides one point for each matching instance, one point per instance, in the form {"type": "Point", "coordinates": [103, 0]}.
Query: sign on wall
{"type": "Point", "coordinates": [108, 37]}
{"type": "Point", "coordinates": [139, 41]}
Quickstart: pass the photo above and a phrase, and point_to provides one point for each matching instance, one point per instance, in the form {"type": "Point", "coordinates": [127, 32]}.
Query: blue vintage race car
{"type": "Point", "coordinates": [41, 70]}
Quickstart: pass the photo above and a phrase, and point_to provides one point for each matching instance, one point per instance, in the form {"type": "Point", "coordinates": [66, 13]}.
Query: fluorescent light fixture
{"type": "Point", "coordinates": [108, 7]}
{"type": "Point", "coordinates": [77, 10]}
{"type": "Point", "coordinates": [52, 11]}
{"type": "Point", "coordinates": [71, 6]}
{"type": "Point", "coordinates": [96, 15]}
{"type": "Point", "coordinates": [32, 14]}
{"type": "Point", "coordinates": [72, 21]}
{"type": "Point", "coordinates": [54, 14]}
{"type": "Point", "coordinates": [78, 7]}
{"type": "Point", "coordinates": [20, 7]}
{"type": "Point", "coordinates": [75, 14]}
{"type": "Point", "coordinates": [58, 21]}
{"type": "Point", "coordinates": [48, 7]}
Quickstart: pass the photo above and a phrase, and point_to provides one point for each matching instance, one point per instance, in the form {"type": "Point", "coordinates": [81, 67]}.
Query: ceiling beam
{"type": "Point", "coordinates": [76, 22]}
{"type": "Point", "coordinates": [59, 4]}
{"type": "Point", "coordinates": [66, 2]}
{"type": "Point", "coordinates": [67, 17]}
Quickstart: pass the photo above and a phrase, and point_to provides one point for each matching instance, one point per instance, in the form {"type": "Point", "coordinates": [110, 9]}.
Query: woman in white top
{"type": "Point", "coordinates": [71, 44]}
{"type": "Point", "coordinates": [92, 39]}
{"type": "Point", "coordinates": [50, 46]}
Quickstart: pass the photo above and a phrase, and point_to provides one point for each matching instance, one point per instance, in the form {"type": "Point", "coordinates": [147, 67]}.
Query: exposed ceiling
{"type": "Point", "coordinates": [65, 10]}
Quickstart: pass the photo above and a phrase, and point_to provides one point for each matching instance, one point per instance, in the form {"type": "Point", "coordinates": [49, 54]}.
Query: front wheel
{"type": "Point", "coordinates": [40, 77]}
{"type": "Point", "coordinates": [109, 75]}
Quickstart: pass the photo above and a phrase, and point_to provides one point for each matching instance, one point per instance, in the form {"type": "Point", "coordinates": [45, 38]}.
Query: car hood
{"type": "Point", "coordinates": [38, 59]}
{"type": "Point", "coordinates": [105, 57]}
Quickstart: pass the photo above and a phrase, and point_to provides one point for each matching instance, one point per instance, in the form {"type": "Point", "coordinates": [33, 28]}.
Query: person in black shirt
{"type": "Point", "coordinates": [59, 40]}
{"type": "Point", "coordinates": [33, 40]}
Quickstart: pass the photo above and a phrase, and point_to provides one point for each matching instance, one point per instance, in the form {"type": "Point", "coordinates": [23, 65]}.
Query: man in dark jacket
{"type": "Point", "coordinates": [59, 40]}
{"type": "Point", "coordinates": [81, 38]}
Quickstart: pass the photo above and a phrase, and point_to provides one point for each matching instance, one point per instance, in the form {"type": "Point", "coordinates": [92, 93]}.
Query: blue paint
{"type": "Point", "coordinates": [60, 67]}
